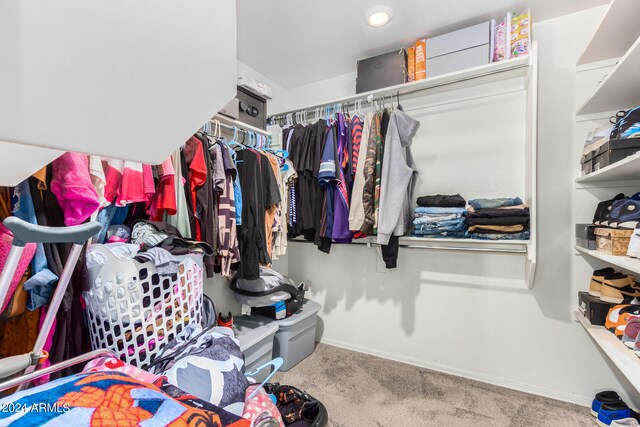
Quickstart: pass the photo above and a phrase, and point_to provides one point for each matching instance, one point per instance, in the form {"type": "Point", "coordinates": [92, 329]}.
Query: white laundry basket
{"type": "Point", "coordinates": [134, 311]}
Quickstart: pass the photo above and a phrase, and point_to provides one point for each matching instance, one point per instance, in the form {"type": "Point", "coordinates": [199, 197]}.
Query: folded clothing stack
{"type": "Point", "coordinates": [440, 216]}
{"type": "Point", "coordinates": [498, 219]}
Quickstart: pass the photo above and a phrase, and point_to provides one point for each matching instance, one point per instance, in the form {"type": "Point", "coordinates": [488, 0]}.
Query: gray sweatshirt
{"type": "Point", "coordinates": [398, 173]}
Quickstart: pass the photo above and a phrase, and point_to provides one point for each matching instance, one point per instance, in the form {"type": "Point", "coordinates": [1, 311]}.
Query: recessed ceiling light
{"type": "Point", "coordinates": [379, 16]}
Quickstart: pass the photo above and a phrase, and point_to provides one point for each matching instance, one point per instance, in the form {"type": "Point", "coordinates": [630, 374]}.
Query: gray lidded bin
{"type": "Point", "coordinates": [296, 336]}
{"type": "Point", "coordinates": [256, 342]}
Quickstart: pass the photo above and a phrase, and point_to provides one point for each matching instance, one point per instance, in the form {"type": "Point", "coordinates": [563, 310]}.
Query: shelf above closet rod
{"type": "Point", "coordinates": [515, 67]}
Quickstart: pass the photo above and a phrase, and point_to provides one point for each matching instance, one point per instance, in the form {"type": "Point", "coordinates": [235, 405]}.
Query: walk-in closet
{"type": "Point", "coordinates": [243, 213]}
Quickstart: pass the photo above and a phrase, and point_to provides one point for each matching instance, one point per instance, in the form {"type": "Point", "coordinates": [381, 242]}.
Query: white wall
{"type": "Point", "coordinates": [469, 314]}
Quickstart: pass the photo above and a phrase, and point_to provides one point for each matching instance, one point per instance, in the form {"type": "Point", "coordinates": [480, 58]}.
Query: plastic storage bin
{"type": "Point", "coordinates": [255, 335]}
{"type": "Point", "coordinates": [296, 336]}
{"type": "Point", "coordinates": [134, 311]}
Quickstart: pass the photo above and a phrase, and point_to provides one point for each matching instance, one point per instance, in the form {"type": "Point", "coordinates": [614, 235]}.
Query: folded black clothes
{"type": "Point", "coordinates": [507, 220]}
{"type": "Point", "coordinates": [442, 201]}
{"type": "Point", "coordinates": [495, 213]}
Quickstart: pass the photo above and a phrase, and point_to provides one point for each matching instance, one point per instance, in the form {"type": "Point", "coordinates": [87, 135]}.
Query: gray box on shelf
{"type": "Point", "coordinates": [256, 342]}
{"type": "Point", "coordinates": [585, 236]}
{"type": "Point", "coordinates": [459, 50]}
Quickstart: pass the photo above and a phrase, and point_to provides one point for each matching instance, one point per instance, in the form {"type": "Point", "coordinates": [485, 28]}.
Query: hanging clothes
{"type": "Point", "coordinates": [228, 247]}
{"type": "Point", "coordinates": [250, 235]}
{"type": "Point", "coordinates": [72, 186]}
{"type": "Point", "coordinates": [340, 232]}
{"type": "Point", "coordinates": [372, 162]}
{"type": "Point", "coordinates": [357, 212]}
{"type": "Point", "coordinates": [181, 218]}
{"type": "Point", "coordinates": [288, 178]}
{"type": "Point", "coordinates": [397, 184]}
{"type": "Point", "coordinates": [197, 177]}
{"type": "Point", "coordinates": [165, 198]}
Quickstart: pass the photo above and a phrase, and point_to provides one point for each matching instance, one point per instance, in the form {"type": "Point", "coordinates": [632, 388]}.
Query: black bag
{"type": "Point", "coordinates": [298, 409]}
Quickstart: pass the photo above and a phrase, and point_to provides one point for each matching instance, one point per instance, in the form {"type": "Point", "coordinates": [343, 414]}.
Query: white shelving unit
{"type": "Point", "coordinates": [523, 70]}
{"type": "Point", "coordinates": [622, 356]}
{"type": "Point", "coordinates": [620, 88]}
{"type": "Point", "coordinates": [631, 265]}
{"type": "Point", "coordinates": [625, 170]}
{"type": "Point", "coordinates": [615, 34]}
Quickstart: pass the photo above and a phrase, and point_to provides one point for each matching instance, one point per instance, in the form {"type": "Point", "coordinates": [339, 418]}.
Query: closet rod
{"type": "Point", "coordinates": [458, 249]}
{"type": "Point", "coordinates": [368, 98]}
{"type": "Point", "coordinates": [229, 123]}
{"type": "Point", "coordinates": [440, 248]}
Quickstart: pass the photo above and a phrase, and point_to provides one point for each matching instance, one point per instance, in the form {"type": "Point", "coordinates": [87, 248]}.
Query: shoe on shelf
{"type": "Point", "coordinates": [603, 211]}
{"type": "Point", "coordinates": [606, 396]}
{"type": "Point", "coordinates": [612, 411]}
{"type": "Point", "coordinates": [616, 286]}
{"type": "Point", "coordinates": [625, 213]}
{"type": "Point", "coordinates": [619, 317]}
{"type": "Point", "coordinates": [595, 287]}
{"type": "Point", "coordinates": [631, 332]}
{"type": "Point", "coordinates": [625, 422]}
{"type": "Point", "coordinates": [634, 244]}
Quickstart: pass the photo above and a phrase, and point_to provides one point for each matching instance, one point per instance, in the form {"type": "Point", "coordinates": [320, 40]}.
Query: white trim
{"type": "Point", "coordinates": [472, 375]}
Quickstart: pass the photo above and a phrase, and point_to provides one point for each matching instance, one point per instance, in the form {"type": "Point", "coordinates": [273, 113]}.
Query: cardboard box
{"type": "Point", "coordinates": [593, 309]}
{"type": "Point", "coordinates": [421, 59]}
{"type": "Point", "coordinates": [459, 50]}
{"type": "Point", "coordinates": [411, 64]}
{"type": "Point", "coordinates": [613, 241]}
{"type": "Point", "coordinates": [388, 69]}
{"type": "Point", "coordinates": [585, 236]}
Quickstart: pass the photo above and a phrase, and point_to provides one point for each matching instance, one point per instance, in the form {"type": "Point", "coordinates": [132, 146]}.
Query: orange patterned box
{"type": "Point", "coordinates": [421, 59]}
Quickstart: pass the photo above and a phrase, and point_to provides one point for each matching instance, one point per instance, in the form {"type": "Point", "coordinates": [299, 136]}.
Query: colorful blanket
{"type": "Point", "coordinates": [109, 399]}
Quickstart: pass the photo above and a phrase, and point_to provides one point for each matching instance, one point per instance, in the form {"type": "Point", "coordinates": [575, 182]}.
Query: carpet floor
{"type": "Point", "coordinates": [363, 390]}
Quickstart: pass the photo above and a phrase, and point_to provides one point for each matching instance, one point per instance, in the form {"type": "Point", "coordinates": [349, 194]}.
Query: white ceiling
{"type": "Point", "coordinates": [296, 42]}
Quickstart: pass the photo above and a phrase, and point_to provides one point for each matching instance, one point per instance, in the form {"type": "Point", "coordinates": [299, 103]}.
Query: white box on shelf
{"type": "Point", "coordinates": [459, 50]}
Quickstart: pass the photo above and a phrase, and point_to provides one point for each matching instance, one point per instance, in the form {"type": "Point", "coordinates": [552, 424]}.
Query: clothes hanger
{"type": "Point", "coordinates": [275, 363]}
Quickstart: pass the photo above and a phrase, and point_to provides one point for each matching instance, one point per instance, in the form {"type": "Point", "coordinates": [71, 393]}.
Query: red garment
{"type": "Point", "coordinates": [148, 186]}
{"type": "Point", "coordinates": [166, 194]}
{"type": "Point", "coordinates": [113, 170]}
{"type": "Point", "coordinates": [132, 187]}
{"type": "Point", "coordinates": [197, 178]}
